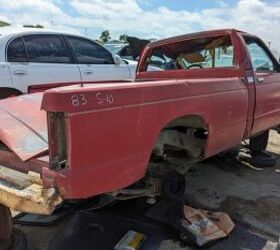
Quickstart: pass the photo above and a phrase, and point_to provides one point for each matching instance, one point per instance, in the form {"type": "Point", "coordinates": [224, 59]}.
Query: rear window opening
{"type": "Point", "coordinates": [203, 53]}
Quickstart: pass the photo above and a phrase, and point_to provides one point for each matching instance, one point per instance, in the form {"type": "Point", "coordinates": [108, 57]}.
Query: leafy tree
{"type": "Point", "coordinates": [123, 38]}
{"type": "Point", "coordinates": [39, 26]}
{"type": "Point", "coordinates": [104, 36]}
{"type": "Point", "coordinates": [3, 24]}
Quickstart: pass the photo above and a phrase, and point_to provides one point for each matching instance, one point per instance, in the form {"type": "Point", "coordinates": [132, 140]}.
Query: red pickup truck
{"type": "Point", "coordinates": [195, 95]}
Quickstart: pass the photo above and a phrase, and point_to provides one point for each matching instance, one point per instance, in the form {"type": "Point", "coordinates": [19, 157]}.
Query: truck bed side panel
{"type": "Point", "coordinates": [109, 144]}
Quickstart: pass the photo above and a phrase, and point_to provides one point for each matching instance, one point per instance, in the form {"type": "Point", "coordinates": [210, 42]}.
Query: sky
{"type": "Point", "coordinates": [148, 18]}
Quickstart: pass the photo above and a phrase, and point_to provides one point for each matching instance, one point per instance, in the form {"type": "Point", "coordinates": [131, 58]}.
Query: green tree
{"type": "Point", "coordinates": [123, 38]}
{"type": "Point", "coordinates": [3, 24]}
{"type": "Point", "coordinates": [39, 26]}
{"type": "Point", "coordinates": [104, 36]}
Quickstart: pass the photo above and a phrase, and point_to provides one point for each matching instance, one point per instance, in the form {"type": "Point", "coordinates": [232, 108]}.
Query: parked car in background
{"type": "Point", "coordinates": [33, 60]}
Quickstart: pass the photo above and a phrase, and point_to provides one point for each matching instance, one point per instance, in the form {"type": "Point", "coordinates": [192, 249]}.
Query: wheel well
{"type": "Point", "coordinates": [180, 144]}
{"type": "Point", "coordinates": [194, 121]}
{"type": "Point", "coordinates": [182, 138]}
{"type": "Point", "coordinates": [8, 92]}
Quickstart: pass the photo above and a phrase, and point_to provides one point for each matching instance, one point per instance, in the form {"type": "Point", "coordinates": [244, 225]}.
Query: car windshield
{"type": "Point", "coordinates": [115, 48]}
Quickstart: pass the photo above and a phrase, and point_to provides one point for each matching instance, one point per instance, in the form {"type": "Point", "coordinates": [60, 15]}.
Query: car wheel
{"type": "Point", "coordinates": [5, 93]}
{"type": "Point", "coordinates": [259, 143]}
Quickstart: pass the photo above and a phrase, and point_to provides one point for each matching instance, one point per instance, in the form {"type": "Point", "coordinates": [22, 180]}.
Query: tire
{"type": "Point", "coordinates": [278, 245]}
{"type": "Point", "coordinates": [10, 238]}
{"type": "Point", "coordinates": [264, 159]}
{"type": "Point", "coordinates": [6, 224]}
{"type": "Point", "coordinates": [19, 240]}
{"type": "Point", "coordinates": [259, 143]}
{"type": "Point", "coordinates": [5, 93]}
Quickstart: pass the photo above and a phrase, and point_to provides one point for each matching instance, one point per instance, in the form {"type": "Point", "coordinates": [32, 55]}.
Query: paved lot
{"type": "Point", "coordinates": [251, 197]}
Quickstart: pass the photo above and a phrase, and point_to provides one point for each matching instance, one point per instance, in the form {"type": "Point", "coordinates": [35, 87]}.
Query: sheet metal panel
{"type": "Point", "coordinates": [23, 126]}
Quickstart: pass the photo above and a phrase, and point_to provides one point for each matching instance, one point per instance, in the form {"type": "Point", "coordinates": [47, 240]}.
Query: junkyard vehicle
{"type": "Point", "coordinates": [36, 59]}
{"type": "Point", "coordinates": [119, 139]}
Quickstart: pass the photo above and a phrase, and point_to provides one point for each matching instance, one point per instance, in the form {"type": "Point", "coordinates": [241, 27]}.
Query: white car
{"type": "Point", "coordinates": [36, 59]}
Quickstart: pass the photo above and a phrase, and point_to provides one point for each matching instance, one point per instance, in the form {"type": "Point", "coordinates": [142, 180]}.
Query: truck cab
{"type": "Point", "coordinates": [225, 55]}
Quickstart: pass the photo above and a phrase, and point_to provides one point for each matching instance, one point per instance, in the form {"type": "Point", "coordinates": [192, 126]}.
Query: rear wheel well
{"type": "Point", "coordinates": [187, 133]}
{"type": "Point", "coordinates": [9, 92]}
{"type": "Point", "coordinates": [180, 143]}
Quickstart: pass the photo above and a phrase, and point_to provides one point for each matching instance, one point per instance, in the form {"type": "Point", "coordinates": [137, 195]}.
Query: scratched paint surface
{"type": "Point", "coordinates": [23, 126]}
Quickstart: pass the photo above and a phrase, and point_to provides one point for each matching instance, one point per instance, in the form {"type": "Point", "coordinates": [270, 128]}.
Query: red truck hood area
{"type": "Point", "coordinates": [23, 126]}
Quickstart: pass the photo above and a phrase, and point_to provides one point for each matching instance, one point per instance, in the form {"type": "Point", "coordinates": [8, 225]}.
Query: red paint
{"type": "Point", "coordinates": [9, 159]}
{"type": "Point", "coordinates": [112, 128]}
{"type": "Point", "coordinates": [23, 128]}
{"type": "Point", "coordinates": [35, 88]}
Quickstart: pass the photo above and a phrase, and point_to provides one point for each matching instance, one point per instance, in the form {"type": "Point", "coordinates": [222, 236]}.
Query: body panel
{"type": "Point", "coordinates": [24, 127]}
{"type": "Point", "coordinates": [125, 130]}
{"type": "Point", "coordinates": [266, 85]}
{"type": "Point", "coordinates": [98, 72]}
{"type": "Point", "coordinates": [267, 112]}
{"type": "Point", "coordinates": [5, 76]}
{"type": "Point", "coordinates": [25, 75]}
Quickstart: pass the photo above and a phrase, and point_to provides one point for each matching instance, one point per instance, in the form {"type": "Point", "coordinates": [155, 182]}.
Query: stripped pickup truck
{"type": "Point", "coordinates": [194, 96]}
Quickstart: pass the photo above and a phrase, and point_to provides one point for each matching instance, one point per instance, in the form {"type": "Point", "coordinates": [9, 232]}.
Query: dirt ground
{"type": "Point", "coordinates": [250, 196]}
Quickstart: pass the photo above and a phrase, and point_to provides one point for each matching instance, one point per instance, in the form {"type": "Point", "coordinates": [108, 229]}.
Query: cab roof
{"type": "Point", "coordinates": [193, 36]}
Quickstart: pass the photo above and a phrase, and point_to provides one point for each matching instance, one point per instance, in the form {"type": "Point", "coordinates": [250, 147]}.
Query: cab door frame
{"type": "Point", "coordinates": [266, 85]}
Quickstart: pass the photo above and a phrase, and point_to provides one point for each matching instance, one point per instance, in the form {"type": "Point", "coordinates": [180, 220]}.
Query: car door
{"type": "Point", "coordinates": [95, 62]}
{"type": "Point", "coordinates": [48, 62]}
{"type": "Point", "coordinates": [267, 85]}
{"type": "Point", "coordinates": [5, 78]}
